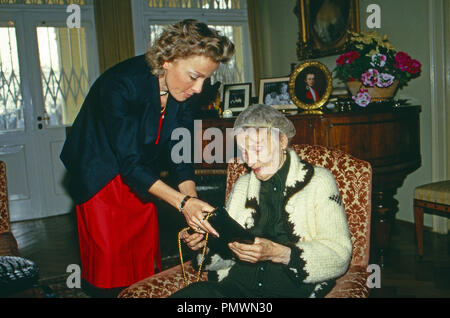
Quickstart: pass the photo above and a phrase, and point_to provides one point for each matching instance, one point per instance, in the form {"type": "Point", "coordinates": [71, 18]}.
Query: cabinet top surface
{"type": "Point", "coordinates": [415, 109]}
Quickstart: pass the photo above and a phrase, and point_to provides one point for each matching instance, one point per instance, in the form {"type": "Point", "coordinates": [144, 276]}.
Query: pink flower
{"type": "Point", "coordinates": [347, 58]}
{"type": "Point", "coordinates": [362, 98]}
{"type": "Point", "coordinates": [385, 80]}
{"type": "Point", "coordinates": [370, 78]}
{"type": "Point", "coordinates": [414, 67]}
{"type": "Point", "coordinates": [402, 60]}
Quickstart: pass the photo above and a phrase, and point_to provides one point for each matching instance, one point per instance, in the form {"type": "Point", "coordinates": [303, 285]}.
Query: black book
{"type": "Point", "coordinates": [229, 231]}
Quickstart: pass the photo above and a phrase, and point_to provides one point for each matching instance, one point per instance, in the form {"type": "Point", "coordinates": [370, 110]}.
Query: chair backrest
{"type": "Point", "coordinates": [4, 206]}
{"type": "Point", "coordinates": [354, 180]}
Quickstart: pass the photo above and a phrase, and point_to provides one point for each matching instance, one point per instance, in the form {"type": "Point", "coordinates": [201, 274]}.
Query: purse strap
{"type": "Point", "coordinates": [186, 282]}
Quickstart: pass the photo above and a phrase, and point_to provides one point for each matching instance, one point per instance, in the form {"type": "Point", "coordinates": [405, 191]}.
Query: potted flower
{"type": "Point", "coordinates": [373, 69]}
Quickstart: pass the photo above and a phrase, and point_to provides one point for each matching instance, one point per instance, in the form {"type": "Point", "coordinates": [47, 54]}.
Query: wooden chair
{"type": "Point", "coordinates": [354, 180]}
{"type": "Point", "coordinates": [430, 198]}
{"type": "Point", "coordinates": [8, 243]}
{"type": "Point", "coordinates": [18, 276]}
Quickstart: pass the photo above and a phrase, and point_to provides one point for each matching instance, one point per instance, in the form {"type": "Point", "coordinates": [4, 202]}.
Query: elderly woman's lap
{"type": "Point", "coordinates": [226, 289]}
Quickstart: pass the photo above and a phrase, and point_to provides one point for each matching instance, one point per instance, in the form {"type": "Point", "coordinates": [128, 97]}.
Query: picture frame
{"type": "Point", "coordinates": [310, 86]}
{"type": "Point", "coordinates": [315, 38]}
{"type": "Point", "coordinates": [275, 92]}
{"type": "Point", "coordinates": [236, 97]}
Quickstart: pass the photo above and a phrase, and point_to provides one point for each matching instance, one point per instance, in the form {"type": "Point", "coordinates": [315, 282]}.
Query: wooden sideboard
{"type": "Point", "coordinates": [388, 138]}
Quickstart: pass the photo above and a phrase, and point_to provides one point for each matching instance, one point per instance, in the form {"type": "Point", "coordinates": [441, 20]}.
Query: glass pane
{"type": "Point", "coordinates": [11, 103]}
{"type": "Point", "coordinates": [196, 4]}
{"type": "Point", "coordinates": [233, 71]}
{"type": "Point", "coordinates": [155, 31]}
{"type": "Point", "coordinates": [64, 72]}
{"type": "Point", "coordinates": [46, 2]}
{"type": "Point", "coordinates": [230, 73]}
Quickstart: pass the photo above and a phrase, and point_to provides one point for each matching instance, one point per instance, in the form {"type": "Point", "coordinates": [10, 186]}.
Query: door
{"type": "Point", "coordinates": [46, 70]}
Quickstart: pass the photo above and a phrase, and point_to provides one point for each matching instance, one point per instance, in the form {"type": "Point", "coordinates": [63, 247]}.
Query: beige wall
{"type": "Point", "coordinates": [406, 22]}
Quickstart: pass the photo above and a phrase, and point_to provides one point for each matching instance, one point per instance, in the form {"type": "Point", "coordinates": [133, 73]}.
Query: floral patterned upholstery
{"type": "Point", "coordinates": [354, 180]}
{"type": "Point", "coordinates": [163, 284]}
{"type": "Point", "coordinates": [8, 244]}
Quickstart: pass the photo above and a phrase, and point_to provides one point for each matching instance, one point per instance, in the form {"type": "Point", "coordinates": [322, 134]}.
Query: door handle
{"type": "Point", "coordinates": [45, 118]}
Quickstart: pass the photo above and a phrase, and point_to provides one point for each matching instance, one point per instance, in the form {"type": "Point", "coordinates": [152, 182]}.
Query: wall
{"type": "Point", "coordinates": [406, 22]}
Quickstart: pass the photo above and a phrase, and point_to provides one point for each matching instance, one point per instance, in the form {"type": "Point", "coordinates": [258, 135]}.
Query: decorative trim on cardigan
{"type": "Point", "coordinates": [291, 191]}
{"type": "Point", "coordinates": [297, 263]}
{"type": "Point", "coordinates": [253, 205]}
{"type": "Point", "coordinates": [336, 198]}
{"type": "Point", "coordinates": [299, 185]}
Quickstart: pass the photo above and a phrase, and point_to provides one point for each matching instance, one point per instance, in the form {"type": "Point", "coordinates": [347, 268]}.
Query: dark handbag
{"type": "Point", "coordinates": [229, 230]}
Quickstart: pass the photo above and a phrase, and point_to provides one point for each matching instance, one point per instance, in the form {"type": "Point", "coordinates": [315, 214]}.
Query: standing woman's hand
{"type": "Point", "coordinates": [195, 211]}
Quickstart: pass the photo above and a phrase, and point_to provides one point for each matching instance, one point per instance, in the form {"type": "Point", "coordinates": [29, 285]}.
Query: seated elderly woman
{"type": "Point", "coordinates": [294, 209]}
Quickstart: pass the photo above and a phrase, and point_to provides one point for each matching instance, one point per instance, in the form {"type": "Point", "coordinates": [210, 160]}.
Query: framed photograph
{"type": "Point", "coordinates": [236, 97]}
{"type": "Point", "coordinates": [323, 26]}
{"type": "Point", "coordinates": [310, 85]}
{"type": "Point", "coordinates": [275, 92]}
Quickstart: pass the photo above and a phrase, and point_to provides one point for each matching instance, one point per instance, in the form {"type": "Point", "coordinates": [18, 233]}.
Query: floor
{"type": "Point", "coordinates": [52, 244]}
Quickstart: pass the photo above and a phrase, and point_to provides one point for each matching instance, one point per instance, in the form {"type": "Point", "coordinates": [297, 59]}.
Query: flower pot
{"type": "Point", "coordinates": [377, 94]}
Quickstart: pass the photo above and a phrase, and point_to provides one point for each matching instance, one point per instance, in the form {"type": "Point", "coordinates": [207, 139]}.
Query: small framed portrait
{"type": "Point", "coordinates": [236, 97]}
{"type": "Point", "coordinates": [310, 85]}
{"type": "Point", "coordinates": [275, 92]}
{"type": "Point", "coordinates": [323, 26]}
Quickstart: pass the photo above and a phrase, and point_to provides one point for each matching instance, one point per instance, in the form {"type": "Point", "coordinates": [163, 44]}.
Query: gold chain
{"type": "Point", "coordinates": [181, 253]}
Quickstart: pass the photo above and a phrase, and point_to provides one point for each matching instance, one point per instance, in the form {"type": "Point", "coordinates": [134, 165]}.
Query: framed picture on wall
{"type": "Point", "coordinates": [275, 92]}
{"type": "Point", "coordinates": [310, 85]}
{"type": "Point", "coordinates": [323, 26]}
{"type": "Point", "coordinates": [236, 97]}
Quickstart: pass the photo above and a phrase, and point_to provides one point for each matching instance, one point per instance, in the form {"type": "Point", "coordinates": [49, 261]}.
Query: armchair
{"type": "Point", "coordinates": [8, 243]}
{"type": "Point", "coordinates": [354, 180]}
{"type": "Point", "coordinates": [18, 276]}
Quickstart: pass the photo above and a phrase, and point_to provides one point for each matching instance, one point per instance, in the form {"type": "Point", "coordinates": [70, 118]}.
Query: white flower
{"type": "Point", "coordinates": [385, 80]}
{"type": "Point", "coordinates": [378, 60]}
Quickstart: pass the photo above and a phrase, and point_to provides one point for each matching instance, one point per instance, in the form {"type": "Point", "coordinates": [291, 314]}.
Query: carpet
{"type": "Point", "coordinates": [56, 287]}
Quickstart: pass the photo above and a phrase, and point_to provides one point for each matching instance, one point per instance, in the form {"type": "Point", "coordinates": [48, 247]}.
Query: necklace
{"type": "Point", "coordinates": [163, 109]}
{"type": "Point", "coordinates": [163, 93]}
{"type": "Point", "coordinates": [186, 281]}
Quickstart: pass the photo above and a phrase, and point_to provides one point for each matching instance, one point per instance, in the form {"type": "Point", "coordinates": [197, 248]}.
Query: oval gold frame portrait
{"type": "Point", "coordinates": [297, 86]}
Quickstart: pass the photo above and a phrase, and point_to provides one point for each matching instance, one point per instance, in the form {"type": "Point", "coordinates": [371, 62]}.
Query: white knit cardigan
{"type": "Point", "coordinates": [321, 245]}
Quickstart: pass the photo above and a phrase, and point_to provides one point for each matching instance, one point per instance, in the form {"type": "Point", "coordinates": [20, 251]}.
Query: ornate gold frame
{"type": "Point", "coordinates": [326, 92]}
{"type": "Point", "coordinates": [308, 44]}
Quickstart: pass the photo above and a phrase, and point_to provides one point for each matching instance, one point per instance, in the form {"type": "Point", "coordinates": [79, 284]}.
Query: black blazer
{"type": "Point", "coordinates": [116, 129]}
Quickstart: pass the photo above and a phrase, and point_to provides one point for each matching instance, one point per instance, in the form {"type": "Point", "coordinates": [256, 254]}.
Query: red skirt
{"type": "Point", "coordinates": [119, 238]}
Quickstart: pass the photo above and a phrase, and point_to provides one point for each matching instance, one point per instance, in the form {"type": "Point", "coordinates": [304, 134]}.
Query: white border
{"type": "Point", "coordinates": [274, 80]}
{"type": "Point", "coordinates": [226, 99]}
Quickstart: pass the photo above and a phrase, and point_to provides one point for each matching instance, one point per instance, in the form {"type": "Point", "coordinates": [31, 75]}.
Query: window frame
{"type": "Point", "coordinates": [27, 18]}
{"type": "Point", "coordinates": [234, 17]}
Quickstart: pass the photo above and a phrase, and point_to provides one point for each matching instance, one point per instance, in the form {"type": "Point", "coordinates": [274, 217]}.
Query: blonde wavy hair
{"type": "Point", "coordinates": [188, 38]}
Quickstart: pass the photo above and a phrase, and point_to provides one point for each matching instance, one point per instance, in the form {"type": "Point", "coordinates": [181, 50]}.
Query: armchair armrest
{"type": "Point", "coordinates": [8, 245]}
{"type": "Point", "coordinates": [163, 284]}
{"type": "Point", "coordinates": [352, 284]}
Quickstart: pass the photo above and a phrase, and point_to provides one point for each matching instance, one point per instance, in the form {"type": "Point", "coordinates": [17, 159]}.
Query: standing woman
{"type": "Point", "coordinates": [115, 148]}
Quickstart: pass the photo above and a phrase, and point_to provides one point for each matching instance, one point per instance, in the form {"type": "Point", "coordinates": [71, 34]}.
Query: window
{"type": "Point", "coordinates": [11, 105]}
{"type": "Point", "coordinates": [45, 2]}
{"type": "Point", "coordinates": [227, 16]}
{"type": "Point", "coordinates": [34, 33]}
{"type": "Point", "coordinates": [64, 72]}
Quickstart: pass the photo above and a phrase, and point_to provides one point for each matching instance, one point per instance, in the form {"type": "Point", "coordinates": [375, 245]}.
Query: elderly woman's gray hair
{"type": "Point", "coordinates": [263, 116]}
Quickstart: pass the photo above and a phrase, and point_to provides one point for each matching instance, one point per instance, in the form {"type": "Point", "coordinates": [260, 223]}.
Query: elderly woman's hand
{"type": "Point", "coordinates": [194, 241]}
{"type": "Point", "coordinates": [194, 212]}
{"type": "Point", "coordinates": [261, 250]}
